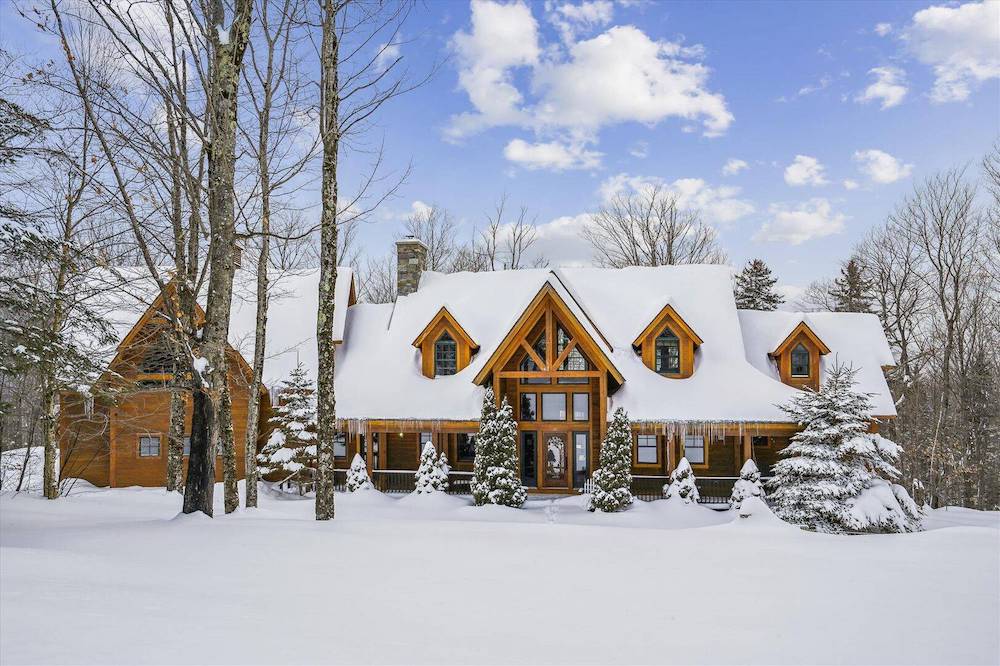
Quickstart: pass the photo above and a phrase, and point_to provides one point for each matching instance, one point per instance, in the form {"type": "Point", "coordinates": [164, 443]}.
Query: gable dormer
{"type": "Point", "coordinates": [445, 347]}
{"type": "Point", "coordinates": [798, 357]}
{"type": "Point", "coordinates": [667, 345]}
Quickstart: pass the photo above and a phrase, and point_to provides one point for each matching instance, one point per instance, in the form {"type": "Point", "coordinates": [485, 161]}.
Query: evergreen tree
{"type": "Point", "coordinates": [291, 446]}
{"type": "Point", "coordinates": [613, 478]}
{"type": "Point", "coordinates": [444, 465]}
{"type": "Point", "coordinates": [495, 479]}
{"type": "Point", "coordinates": [835, 476]}
{"type": "Point", "coordinates": [682, 484]}
{"type": "Point", "coordinates": [748, 485]}
{"type": "Point", "coordinates": [430, 477]}
{"type": "Point", "coordinates": [852, 291]}
{"type": "Point", "coordinates": [357, 477]}
{"type": "Point", "coordinates": [754, 289]}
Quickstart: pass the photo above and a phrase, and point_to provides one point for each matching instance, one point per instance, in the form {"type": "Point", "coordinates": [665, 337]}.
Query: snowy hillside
{"type": "Point", "coordinates": [431, 579]}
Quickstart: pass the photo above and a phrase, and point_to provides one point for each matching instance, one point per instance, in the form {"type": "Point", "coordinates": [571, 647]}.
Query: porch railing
{"type": "Point", "coordinates": [711, 489]}
{"type": "Point", "coordinates": [402, 481]}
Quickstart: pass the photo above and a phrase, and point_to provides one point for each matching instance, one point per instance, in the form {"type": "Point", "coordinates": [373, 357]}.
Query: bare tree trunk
{"type": "Point", "coordinates": [260, 332]}
{"type": "Point", "coordinates": [50, 440]}
{"type": "Point", "coordinates": [326, 404]}
{"type": "Point", "coordinates": [175, 441]}
{"type": "Point", "coordinates": [225, 434]}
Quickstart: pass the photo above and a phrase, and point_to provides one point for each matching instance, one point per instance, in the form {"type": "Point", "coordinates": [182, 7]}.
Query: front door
{"type": "Point", "coordinates": [555, 459]}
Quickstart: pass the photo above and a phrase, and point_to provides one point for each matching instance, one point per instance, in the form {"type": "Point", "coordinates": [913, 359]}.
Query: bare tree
{"type": "Point", "coordinates": [377, 279]}
{"type": "Point", "coordinates": [436, 228]}
{"type": "Point", "coordinates": [649, 228]}
{"type": "Point", "coordinates": [505, 242]}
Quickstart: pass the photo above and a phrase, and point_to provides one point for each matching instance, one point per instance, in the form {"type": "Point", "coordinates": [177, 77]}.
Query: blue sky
{"type": "Point", "coordinates": [791, 77]}
{"type": "Point", "coordinates": [826, 112]}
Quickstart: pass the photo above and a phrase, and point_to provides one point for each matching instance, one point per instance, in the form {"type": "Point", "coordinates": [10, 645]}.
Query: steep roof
{"type": "Point", "coordinates": [378, 369]}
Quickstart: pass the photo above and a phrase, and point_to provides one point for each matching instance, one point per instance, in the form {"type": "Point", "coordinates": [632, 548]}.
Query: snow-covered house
{"type": "Point", "coordinates": [567, 346]}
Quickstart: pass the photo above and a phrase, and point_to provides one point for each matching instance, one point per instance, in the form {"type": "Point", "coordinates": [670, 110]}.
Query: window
{"type": "Point", "coordinates": [187, 445]}
{"type": "Point", "coordinates": [340, 445]}
{"type": "Point", "coordinates": [694, 449]}
{"type": "Point", "coordinates": [553, 406]}
{"type": "Point", "coordinates": [466, 446]}
{"type": "Point", "coordinates": [645, 450]}
{"type": "Point", "coordinates": [581, 406]}
{"type": "Point", "coordinates": [445, 355]}
{"type": "Point", "coordinates": [529, 365]}
{"type": "Point", "coordinates": [800, 361]}
{"type": "Point", "coordinates": [574, 360]}
{"type": "Point", "coordinates": [668, 352]}
{"type": "Point", "coordinates": [580, 457]}
{"type": "Point", "coordinates": [529, 406]}
{"type": "Point", "coordinates": [149, 446]}
{"type": "Point", "coordinates": [425, 438]}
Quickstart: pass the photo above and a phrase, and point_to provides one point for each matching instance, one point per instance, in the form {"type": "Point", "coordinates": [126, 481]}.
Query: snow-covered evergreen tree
{"type": "Point", "coordinates": [444, 464]}
{"type": "Point", "coordinates": [430, 477]}
{"type": "Point", "coordinates": [291, 446]}
{"type": "Point", "coordinates": [682, 484]}
{"type": "Point", "coordinates": [835, 476]}
{"type": "Point", "coordinates": [613, 478]}
{"type": "Point", "coordinates": [748, 485]}
{"type": "Point", "coordinates": [852, 291]}
{"type": "Point", "coordinates": [357, 476]}
{"type": "Point", "coordinates": [495, 478]}
{"type": "Point", "coordinates": [754, 289]}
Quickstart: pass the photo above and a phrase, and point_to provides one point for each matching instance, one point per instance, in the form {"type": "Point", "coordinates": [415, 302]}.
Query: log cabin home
{"type": "Point", "coordinates": [566, 347]}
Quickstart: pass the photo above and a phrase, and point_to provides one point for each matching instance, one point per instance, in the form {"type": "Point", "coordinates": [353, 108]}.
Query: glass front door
{"type": "Point", "coordinates": [529, 459]}
{"type": "Point", "coordinates": [555, 448]}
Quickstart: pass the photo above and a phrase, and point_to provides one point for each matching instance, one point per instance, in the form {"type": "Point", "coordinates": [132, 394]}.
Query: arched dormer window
{"type": "Point", "coordinates": [668, 353]}
{"type": "Point", "coordinates": [445, 355]}
{"type": "Point", "coordinates": [800, 361]}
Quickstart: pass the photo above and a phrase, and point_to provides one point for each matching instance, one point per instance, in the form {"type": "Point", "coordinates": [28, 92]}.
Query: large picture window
{"type": "Point", "coordinates": [553, 406]}
{"type": "Point", "coordinates": [645, 450]}
{"type": "Point", "coordinates": [581, 406]}
{"type": "Point", "coordinates": [466, 446]}
{"type": "Point", "coordinates": [445, 355]}
{"type": "Point", "coordinates": [149, 446]}
{"type": "Point", "coordinates": [800, 361]}
{"type": "Point", "coordinates": [668, 352]}
{"type": "Point", "coordinates": [694, 449]}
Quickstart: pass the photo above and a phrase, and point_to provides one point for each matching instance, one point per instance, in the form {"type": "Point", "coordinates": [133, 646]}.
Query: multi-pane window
{"type": "Point", "coordinates": [528, 364]}
{"type": "Point", "coordinates": [466, 446]}
{"type": "Point", "coordinates": [580, 457]}
{"type": "Point", "coordinates": [581, 406]}
{"type": "Point", "coordinates": [574, 360]}
{"type": "Point", "coordinates": [340, 445]}
{"type": "Point", "coordinates": [800, 361]}
{"type": "Point", "coordinates": [668, 352]}
{"type": "Point", "coordinates": [553, 406]}
{"type": "Point", "coordinates": [445, 355]}
{"type": "Point", "coordinates": [149, 446]}
{"type": "Point", "coordinates": [529, 406]}
{"type": "Point", "coordinates": [694, 449]}
{"type": "Point", "coordinates": [425, 438]}
{"type": "Point", "coordinates": [645, 450]}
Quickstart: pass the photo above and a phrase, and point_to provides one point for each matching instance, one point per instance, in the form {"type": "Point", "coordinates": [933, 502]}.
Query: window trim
{"type": "Point", "coordinates": [159, 445]}
{"type": "Point", "coordinates": [704, 443]}
{"type": "Point", "coordinates": [636, 447]}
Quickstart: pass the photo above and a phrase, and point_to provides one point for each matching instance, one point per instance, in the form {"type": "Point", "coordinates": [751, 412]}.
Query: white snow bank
{"type": "Point", "coordinates": [31, 460]}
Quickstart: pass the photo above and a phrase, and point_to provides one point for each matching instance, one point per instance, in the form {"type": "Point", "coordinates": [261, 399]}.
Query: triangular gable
{"type": "Point", "coordinates": [801, 328]}
{"type": "Point", "coordinates": [511, 340]}
{"type": "Point", "coordinates": [443, 315]}
{"type": "Point", "coordinates": [667, 315]}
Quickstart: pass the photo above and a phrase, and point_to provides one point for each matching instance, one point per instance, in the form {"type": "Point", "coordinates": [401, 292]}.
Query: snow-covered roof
{"type": "Point", "coordinates": [379, 371]}
{"type": "Point", "coordinates": [291, 329]}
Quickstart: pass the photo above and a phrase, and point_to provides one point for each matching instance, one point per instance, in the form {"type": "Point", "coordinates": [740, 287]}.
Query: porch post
{"type": "Point", "coordinates": [747, 449]}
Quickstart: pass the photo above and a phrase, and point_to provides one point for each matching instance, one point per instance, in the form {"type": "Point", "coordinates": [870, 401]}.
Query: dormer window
{"type": "Point", "coordinates": [445, 347]}
{"type": "Point", "coordinates": [800, 361]}
{"type": "Point", "coordinates": [668, 353]}
{"type": "Point", "coordinates": [445, 355]}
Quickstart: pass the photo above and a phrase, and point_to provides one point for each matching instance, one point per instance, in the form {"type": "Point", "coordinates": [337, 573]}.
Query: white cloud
{"type": "Point", "coordinates": [805, 170]}
{"type": "Point", "coordinates": [880, 166]}
{"type": "Point", "coordinates": [850, 184]}
{"type": "Point", "coordinates": [889, 86]}
{"type": "Point", "coordinates": [639, 150]}
{"type": "Point", "coordinates": [883, 29]}
{"type": "Point", "coordinates": [570, 20]}
{"type": "Point", "coordinates": [619, 76]}
{"type": "Point", "coordinates": [822, 84]}
{"type": "Point", "coordinates": [796, 224]}
{"type": "Point", "coordinates": [561, 241]}
{"type": "Point", "coordinates": [719, 205]}
{"type": "Point", "coordinates": [387, 54]}
{"type": "Point", "coordinates": [733, 166]}
{"type": "Point", "coordinates": [551, 155]}
{"type": "Point", "coordinates": [960, 43]}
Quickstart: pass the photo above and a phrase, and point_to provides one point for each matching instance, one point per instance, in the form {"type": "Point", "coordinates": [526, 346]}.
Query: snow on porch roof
{"type": "Point", "coordinates": [379, 375]}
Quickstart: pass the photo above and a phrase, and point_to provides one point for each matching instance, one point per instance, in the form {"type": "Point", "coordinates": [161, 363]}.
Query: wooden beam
{"type": "Point", "coordinates": [548, 374]}
{"type": "Point", "coordinates": [539, 363]}
{"type": "Point", "coordinates": [565, 354]}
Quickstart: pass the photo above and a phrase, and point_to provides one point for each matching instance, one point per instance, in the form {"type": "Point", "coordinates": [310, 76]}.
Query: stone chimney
{"type": "Point", "coordinates": [411, 257]}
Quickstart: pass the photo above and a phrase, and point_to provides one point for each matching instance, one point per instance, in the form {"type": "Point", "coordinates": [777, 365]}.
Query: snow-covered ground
{"type": "Point", "coordinates": [116, 576]}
